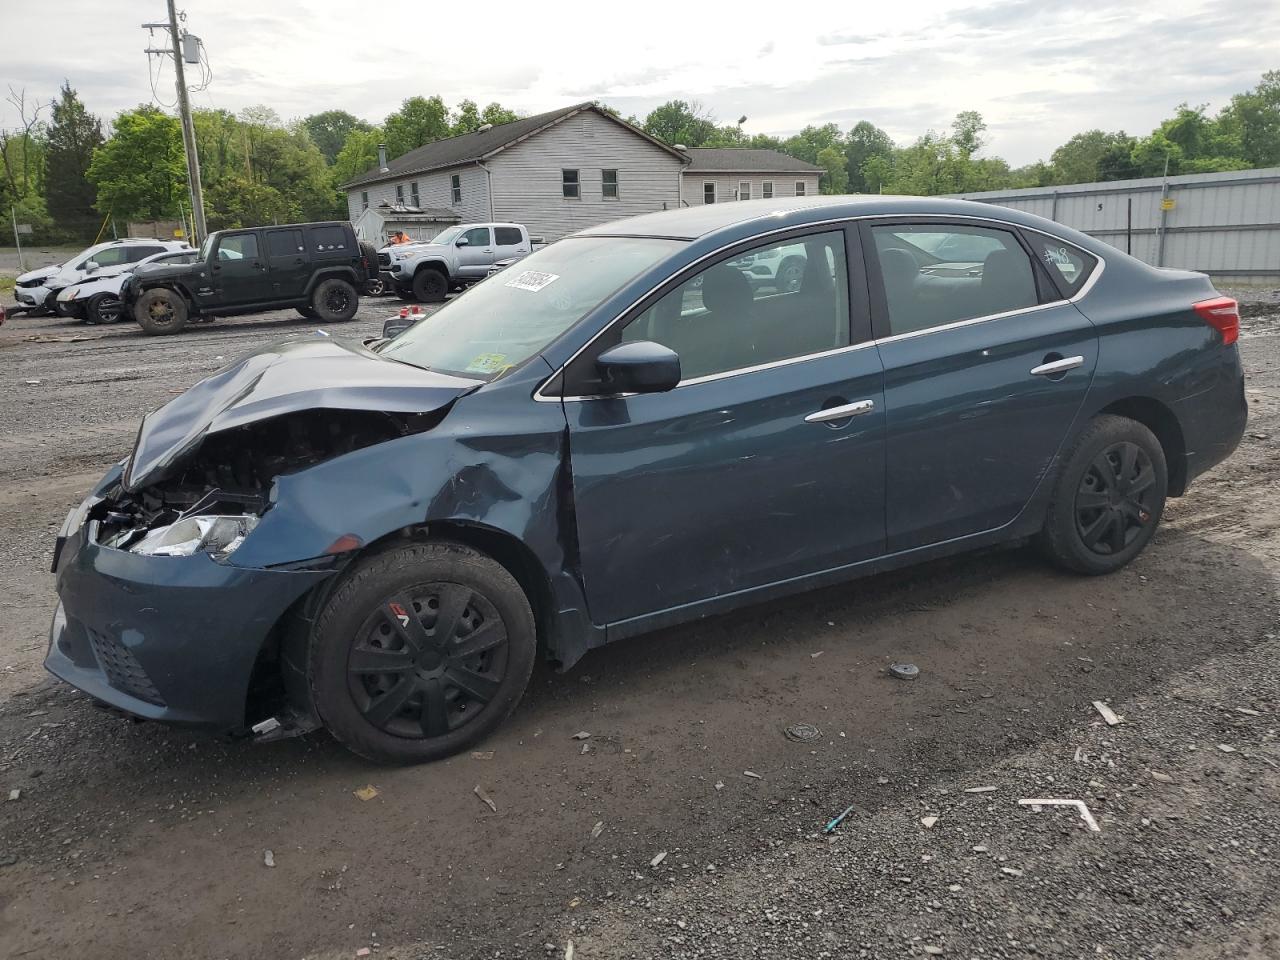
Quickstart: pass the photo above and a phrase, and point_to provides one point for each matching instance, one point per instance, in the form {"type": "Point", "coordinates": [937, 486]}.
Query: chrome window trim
{"type": "Point", "coordinates": [1088, 285]}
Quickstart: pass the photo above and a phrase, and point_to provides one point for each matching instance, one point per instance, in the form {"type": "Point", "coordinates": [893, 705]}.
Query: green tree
{"type": "Point", "coordinates": [679, 122]}
{"type": "Point", "coordinates": [809, 142]}
{"type": "Point", "coordinates": [419, 120]}
{"type": "Point", "coordinates": [835, 177]}
{"type": "Point", "coordinates": [236, 201]}
{"type": "Point", "coordinates": [864, 141]}
{"type": "Point", "coordinates": [329, 131]}
{"type": "Point", "coordinates": [877, 173]}
{"type": "Point", "coordinates": [140, 172]}
{"type": "Point", "coordinates": [358, 155]}
{"type": "Point", "coordinates": [465, 118]}
{"type": "Point", "coordinates": [1253, 117]}
{"type": "Point", "coordinates": [73, 135]}
{"type": "Point", "coordinates": [966, 133]}
{"type": "Point", "coordinates": [496, 113]}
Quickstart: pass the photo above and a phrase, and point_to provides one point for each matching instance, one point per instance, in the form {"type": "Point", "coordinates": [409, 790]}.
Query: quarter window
{"type": "Point", "coordinates": [766, 190]}
{"type": "Point", "coordinates": [786, 300]}
{"type": "Point", "coordinates": [799, 188]}
{"type": "Point", "coordinates": [455, 187]}
{"type": "Point", "coordinates": [708, 193]}
{"type": "Point", "coordinates": [744, 190]}
{"type": "Point", "coordinates": [935, 274]}
{"type": "Point", "coordinates": [328, 239]}
{"type": "Point", "coordinates": [1069, 266]}
{"type": "Point", "coordinates": [569, 184]}
{"type": "Point", "coordinates": [609, 184]}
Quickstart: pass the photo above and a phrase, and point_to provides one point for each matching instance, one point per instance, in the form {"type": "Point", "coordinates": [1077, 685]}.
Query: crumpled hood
{"type": "Point", "coordinates": [43, 273]}
{"type": "Point", "coordinates": [303, 374]}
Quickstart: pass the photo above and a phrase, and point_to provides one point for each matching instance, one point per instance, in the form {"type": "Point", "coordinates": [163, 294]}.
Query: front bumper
{"type": "Point", "coordinates": [32, 297]}
{"type": "Point", "coordinates": [167, 638]}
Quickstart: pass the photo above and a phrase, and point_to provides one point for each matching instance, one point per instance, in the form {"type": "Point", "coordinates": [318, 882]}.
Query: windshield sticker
{"type": "Point", "coordinates": [488, 363]}
{"type": "Point", "coordinates": [533, 280]}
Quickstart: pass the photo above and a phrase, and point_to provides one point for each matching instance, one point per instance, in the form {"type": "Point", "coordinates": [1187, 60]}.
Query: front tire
{"type": "Point", "coordinates": [421, 651]}
{"type": "Point", "coordinates": [102, 308]}
{"type": "Point", "coordinates": [430, 285]}
{"type": "Point", "coordinates": [1108, 497]}
{"type": "Point", "coordinates": [161, 311]}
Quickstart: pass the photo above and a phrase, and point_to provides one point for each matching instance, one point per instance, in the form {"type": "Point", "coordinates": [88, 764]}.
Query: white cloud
{"type": "Point", "coordinates": [1037, 72]}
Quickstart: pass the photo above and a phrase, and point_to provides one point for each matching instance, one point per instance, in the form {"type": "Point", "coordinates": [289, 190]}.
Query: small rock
{"type": "Point", "coordinates": [656, 861]}
{"type": "Point", "coordinates": [928, 822]}
{"type": "Point", "coordinates": [1226, 748]}
{"type": "Point", "coordinates": [269, 858]}
{"type": "Point", "coordinates": [582, 735]}
{"type": "Point", "coordinates": [933, 951]}
{"type": "Point", "coordinates": [15, 793]}
{"type": "Point", "coordinates": [1011, 871]}
{"type": "Point", "coordinates": [1159, 777]}
{"type": "Point", "coordinates": [752, 774]}
{"type": "Point", "coordinates": [597, 829]}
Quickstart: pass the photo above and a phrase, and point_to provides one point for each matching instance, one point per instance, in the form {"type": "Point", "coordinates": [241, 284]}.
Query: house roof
{"type": "Point", "coordinates": [473, 147]}
{"type": "Point", "coordinates": [745, 160]}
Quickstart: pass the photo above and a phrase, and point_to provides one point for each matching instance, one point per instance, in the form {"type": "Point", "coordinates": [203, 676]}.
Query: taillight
{"type": "Point", "coordinates": [1223, 314]}
{"type": "Point", "coordinates": [404, 311]}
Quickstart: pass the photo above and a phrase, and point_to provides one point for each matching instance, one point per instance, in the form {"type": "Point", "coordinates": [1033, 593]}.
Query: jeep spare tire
{"type": "Point", "coordinates": [161, 311]}
{"type": "Point", "coordinates": [430, 285]}
{"type": "Point", "coordinates": [335, 300]}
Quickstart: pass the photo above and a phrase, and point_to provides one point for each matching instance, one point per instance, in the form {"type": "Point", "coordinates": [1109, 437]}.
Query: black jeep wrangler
{"type": "Point", "coordinates": [319, 268]}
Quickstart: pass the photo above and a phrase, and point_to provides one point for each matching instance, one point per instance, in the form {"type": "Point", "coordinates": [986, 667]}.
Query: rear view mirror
{"type": "Point", "coordinates": [640, 367]}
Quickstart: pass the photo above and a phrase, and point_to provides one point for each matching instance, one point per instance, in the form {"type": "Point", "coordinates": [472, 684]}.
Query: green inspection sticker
{"type": "Point", "coordinates": [488, 363]}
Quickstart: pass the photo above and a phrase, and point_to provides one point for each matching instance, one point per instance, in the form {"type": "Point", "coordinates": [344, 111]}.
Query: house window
{"type": "Point", "coordinates": [799, 188]}
{"type": "Point", "coordinates": [364, 199]}
{"type": "Point", "coordinates": [744, 190]}
{"type": "Point", "coordinates": [609, 184]}
{"type": "Point", "coordinates": [413, 193]}
{"type": "Point", "coordinates": [767, 190]}
{"type": "Point", "coordinates": [399, 193]}
{"type": "Point", "coordinates": [569, 184]}
{"type": "Point", "coordinates": [708, 193]}
{"type": "Point", "coordinates": [455, 185]}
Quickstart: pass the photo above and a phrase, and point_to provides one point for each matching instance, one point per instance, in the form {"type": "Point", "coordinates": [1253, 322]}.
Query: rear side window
{"type": "Point", "coordinates": [110, 257]}
{"type": "Point", "coordinates": [284, 243]}
{"type": "Point", "coordinates": [507, 236]}
{"type": "Point", "coordinates": [1068, 265]}
{"type": "Point", "coordinates": [328, 240]}
{"type": "Point", "coordinates": [936, 274]}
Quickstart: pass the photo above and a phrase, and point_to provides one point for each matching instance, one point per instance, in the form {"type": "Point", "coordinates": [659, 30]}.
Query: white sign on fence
{"type": "Point", "coordinates": [23, 228]}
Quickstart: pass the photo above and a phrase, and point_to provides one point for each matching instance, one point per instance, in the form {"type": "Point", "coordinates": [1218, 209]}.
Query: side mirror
{"type": "Point", "coordinates": [91, 267]}
{"type": "Point", "coordinates": [462, 242]}
{"type": "Point", "coordinates": [639, 367]}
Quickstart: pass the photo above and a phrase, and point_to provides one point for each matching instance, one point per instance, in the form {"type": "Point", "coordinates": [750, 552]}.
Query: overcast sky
{"type": "Point", "coordinates": [1038, 70]}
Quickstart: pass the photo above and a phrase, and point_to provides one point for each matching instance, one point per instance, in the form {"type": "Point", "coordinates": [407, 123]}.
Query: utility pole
{"type": "Point", "coordinates": [188, 128]}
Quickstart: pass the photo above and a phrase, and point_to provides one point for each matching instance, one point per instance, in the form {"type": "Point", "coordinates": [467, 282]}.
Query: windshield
{"type": "Point", "coordinates": [514, 314]}
{"type": "Point", "coordinates": [448, 236]}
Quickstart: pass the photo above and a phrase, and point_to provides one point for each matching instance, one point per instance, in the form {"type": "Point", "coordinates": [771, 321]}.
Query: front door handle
{"type": "Point", "coordinates": [842, 412]}
{"type": "Point", "coordinates": [1055, 367]}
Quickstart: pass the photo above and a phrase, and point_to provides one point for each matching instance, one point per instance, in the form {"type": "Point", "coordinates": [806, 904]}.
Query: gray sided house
{"type": "Point", "coordinates": [739, 173]}
{"type": "Point", "coordinates": [556, 173]}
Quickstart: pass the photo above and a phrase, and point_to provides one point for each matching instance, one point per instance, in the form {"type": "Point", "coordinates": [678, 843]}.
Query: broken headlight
{"type": "Point", "coordinates": [216, 536]}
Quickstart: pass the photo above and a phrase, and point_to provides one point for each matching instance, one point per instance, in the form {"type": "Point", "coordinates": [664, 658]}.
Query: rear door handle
{"type": "Point", "coordinates": [1054, 367]}
{"type": "Point", "coordinates": [842, 412]}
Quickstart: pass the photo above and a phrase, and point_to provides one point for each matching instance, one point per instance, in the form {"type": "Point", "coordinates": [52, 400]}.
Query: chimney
{"type": "Point", "coordinates": [382, 157]}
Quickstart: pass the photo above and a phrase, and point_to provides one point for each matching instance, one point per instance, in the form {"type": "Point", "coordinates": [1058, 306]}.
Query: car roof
{"type": "Point", "coordinates": [747, 217]}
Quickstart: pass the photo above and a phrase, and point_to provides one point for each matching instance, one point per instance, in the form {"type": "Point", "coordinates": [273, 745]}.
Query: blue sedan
{"type": "Point", "coordinates": [641, 425]}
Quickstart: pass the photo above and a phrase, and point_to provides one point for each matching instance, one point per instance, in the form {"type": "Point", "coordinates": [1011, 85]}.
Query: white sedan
{"type": "Point", "coordinates": [96, 299]}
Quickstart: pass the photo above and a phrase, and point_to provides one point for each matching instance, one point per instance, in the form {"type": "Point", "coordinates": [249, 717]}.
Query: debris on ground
{"type": "Point", "coordinates": [979, 789]}
{"type": "Point", "coordinates": [1078, 804]}
{"type": "Point", "coordinates": [367, 792]}
{"type": "Point", "coordinates": [568, 951]}
{"type": "Point", "coordinates": [362, 952]}
{"type": "Point", "coordinates": [803, 733]}
{"type": "Point", "coordinates": [15, 793]}
{"type": "Point", "coordinates": [269, 858]}
{"type": "Point", "coordinates": [63, 338]}
{"type": "Point", "coordinates": [838, 820]}
{"type": "Point", "coordinates": [481, 754]}
{"type": "Point", "coordinates": [752, 774]}
{"type": "Point", "coordinates": [658, 859]}
{"type": "Point", "coordinates": [719, 784]}
{"type": "Point", "coordinates": [1011, 871]}
{"type": "Point", "coordinates": [1227, 748]}
{"type": "Point", "coordinates": [581, 735]}
{"type": "Point", "coordinates": [904, 671]}
{"type": "Point", "coordinates": [597, 829]}
{"type": "Point", "coordinates": [485, 799]}
{"type": "Point", "coordinates": [1247, 712]}
{"type": "Point", "coordinates": [1107, 713]}
{"type": "Point", "coordinates": [928, 822]}
{"type": "Point", "coordinates": [1161, 777]}
{"type": "Point", "coordinates": [586, 748]}
{"type": "Point", "coordinates": [816, 654]}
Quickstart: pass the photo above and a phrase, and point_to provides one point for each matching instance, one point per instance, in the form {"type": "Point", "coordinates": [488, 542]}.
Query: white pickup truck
{"type": "Point", "coordinates": [459, 256]}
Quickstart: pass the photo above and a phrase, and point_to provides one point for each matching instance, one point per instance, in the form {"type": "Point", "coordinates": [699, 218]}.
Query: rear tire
{"type": "Point", "coordinates": [421, 651]}
{"type": "Point", "coordinates": [161, 311]}
{"type": "Point", "coordinates": [430, 285]}
{"type": "Point", "coordinates": [335, 300]}
{"type": "Point", "coordinates": [1108, 497]}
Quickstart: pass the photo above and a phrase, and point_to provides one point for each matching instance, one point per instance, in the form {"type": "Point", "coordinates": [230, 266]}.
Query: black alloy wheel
{"type": "Point", "coordinates": [1115, 499]}
{"type": "Point", "coordinates": [337, 299]}
{"type": "Point", "coordinates": [103, 308]}
{"type": "Point", "coordinates": [428, 660]}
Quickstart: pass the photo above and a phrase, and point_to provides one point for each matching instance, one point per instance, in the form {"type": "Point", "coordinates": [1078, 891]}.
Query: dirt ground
{"type": "Point", "coordinates": [133, 840]}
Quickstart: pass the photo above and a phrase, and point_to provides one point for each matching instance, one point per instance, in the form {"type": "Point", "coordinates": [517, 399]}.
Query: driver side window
{"type": "Point", "coordinates": [786, 300]}
{"type": "Point", "coordinates": [239, 246]}
{"type": "Point", "coordinates": [477, 237]}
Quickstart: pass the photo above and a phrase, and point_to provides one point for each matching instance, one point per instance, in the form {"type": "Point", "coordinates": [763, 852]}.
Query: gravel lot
{"type": "Point", "coordinates": [134, 840]}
